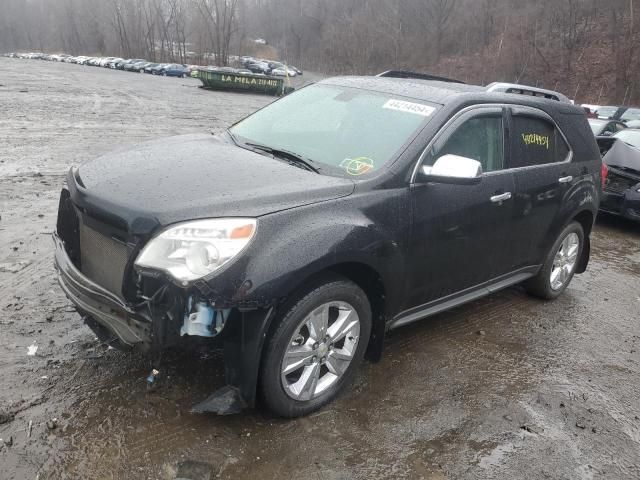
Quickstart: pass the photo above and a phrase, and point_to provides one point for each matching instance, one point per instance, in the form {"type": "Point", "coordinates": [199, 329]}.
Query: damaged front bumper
{"type": "Point", "coordinates": [242, 339]}
{"type": "Point", "coordinates": [104, 307]}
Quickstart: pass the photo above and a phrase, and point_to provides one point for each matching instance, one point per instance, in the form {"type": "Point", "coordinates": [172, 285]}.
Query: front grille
{"type": "Point", "coordinates": [102, 259]}
{"type": "Point", "coordinates": [618, 184]}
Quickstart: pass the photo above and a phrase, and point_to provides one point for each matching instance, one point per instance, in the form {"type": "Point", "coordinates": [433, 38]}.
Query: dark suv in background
{"type": "Point", "coordinates": [304, 233]}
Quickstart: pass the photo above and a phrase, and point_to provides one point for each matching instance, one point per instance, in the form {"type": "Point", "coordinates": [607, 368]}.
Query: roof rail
{"type": "Point", "coordinates": [527, 90]}
{"type": "Point", "coordinates": [415, 75]}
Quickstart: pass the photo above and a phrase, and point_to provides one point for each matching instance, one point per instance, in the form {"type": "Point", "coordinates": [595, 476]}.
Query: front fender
{"type": "Point", "coordinates": [294, 245]}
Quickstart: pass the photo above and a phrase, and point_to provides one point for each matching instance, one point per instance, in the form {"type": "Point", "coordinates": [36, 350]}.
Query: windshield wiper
{"type": "Point", "coordinates": [294, 158]}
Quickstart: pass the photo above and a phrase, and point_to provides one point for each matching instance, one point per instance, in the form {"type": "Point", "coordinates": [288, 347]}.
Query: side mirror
{"type": "Point", "coordinates": [452, 169]}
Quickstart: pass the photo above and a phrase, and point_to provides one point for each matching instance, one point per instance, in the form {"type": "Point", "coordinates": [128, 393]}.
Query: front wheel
{"type": "Point", "coordinates": [560, 264]}
{"type": "Point", "coordinates": [318, 343]}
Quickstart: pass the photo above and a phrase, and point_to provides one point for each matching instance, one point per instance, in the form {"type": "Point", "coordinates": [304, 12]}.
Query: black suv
{"type": "Point", "coordinates": [299, 237]}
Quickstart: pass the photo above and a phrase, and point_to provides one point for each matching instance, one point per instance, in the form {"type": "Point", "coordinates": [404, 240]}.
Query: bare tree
{"type": "Point", "coordinates": [220, 19]}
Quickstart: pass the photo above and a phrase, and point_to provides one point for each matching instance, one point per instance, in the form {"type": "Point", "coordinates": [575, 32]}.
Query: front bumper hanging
{"type": "Point", "coordinates": [104, 307]}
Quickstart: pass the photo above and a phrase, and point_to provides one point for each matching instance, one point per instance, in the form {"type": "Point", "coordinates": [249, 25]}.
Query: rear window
{"type": "Point", "coordinates": [536, 141]}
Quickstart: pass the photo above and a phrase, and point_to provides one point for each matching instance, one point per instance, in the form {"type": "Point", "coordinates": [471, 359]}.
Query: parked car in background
{"type": "Point", "coordinates": [299, 237]}
{"type": "Point", "coordinates": [158, 69]}
{"type": "Point", "coordinates": [605, 127]}
{"type": "Point", "coordinates": [103, 61]}
{"type": "Point", "coordinates": [140, 66]}
{"type": "Point", "coordinates": [120, 65]}
{"type": "Point", "coordinates": [131, 64]}
{"type": "Point", "coordinates": [610, 112]}
{"type": "Point", "coordinates": [113, 63]}
{"type": "Point", "coordinates": [149, 67]}
{"type": "Point", "coordinates": [621, 188]}
{"type": "Point", "coordinates": [258, 67]}
{"type": "Point", "coordinates": [630, 114]}
{"type": "Point", "coordinates": [176, 70]}
{"type": "Point", "coordinates": [280, 69]}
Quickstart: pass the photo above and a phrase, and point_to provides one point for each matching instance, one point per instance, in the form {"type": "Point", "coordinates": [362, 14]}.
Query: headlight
{"type": "Point", "coordinates": [191, 250]}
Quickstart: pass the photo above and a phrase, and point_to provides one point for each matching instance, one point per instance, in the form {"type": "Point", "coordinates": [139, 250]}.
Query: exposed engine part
{"type": "Point", "coordinates": [203, 320]}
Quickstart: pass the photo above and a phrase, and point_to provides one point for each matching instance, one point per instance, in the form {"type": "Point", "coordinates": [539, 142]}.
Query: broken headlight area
{"type": "Point", "coordinates": [175, 315]}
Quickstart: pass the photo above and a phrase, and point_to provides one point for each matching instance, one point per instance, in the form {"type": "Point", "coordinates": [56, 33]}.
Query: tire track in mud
{"type": "Point", "coordinates": [37, 271]}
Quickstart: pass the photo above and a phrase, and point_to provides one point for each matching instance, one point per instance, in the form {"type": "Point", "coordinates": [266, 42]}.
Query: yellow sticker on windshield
{"type": "Point", "coordinates": [535, 139]}
{"type": "Point", "coordinates": [357, 166]}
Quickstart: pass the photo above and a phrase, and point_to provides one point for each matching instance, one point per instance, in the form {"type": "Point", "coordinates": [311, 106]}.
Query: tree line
{"type": "Point", "coordinates": [585, 48]}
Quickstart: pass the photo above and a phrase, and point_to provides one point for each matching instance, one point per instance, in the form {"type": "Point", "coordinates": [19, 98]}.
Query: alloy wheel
{"type": "Point", "coordinates": [320, 350]}
{"type": "Point", "coordinates": [565, 261]}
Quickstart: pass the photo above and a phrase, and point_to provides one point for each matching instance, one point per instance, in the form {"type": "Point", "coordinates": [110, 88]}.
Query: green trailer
{"type": "Point", "coordinates": [249, 82]}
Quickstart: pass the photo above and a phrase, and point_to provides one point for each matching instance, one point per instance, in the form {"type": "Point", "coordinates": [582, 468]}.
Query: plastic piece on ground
{"type": "Point", "coordinates": [224, 401]}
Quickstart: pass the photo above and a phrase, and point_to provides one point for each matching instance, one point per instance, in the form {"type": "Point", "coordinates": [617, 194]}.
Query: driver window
{"type": "Point", "coordinates": [480, 138]}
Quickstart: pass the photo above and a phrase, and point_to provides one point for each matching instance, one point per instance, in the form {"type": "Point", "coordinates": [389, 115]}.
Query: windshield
{"type": "Point", "coordinates": [341, 130]}
{"type": "Point", "coordinates": [596, 125]}
{"type": "Point", "coordinates": [632, 137]}
{"type": "Point", "coordinates": [631, 114]}
{"type": "Point", "coordinates": [606, 112]}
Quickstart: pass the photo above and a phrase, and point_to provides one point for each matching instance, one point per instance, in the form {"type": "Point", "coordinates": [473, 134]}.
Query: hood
{"type": "Point", "coordinates": [194, 176]}
{"type": "Point", "coordinates": [620, 154]}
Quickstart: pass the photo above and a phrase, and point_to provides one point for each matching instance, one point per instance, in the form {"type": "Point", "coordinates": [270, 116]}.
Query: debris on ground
{"type": "Point", "coordinates": [224, 401]}
{"type": "Point", "coordinates": [532, 429]}
{"type": "Point", "coordinates": [191, 470]}
{"type": "Point", "coordinates": [152, 377]}
{"type": "Point", "coordinates": [6, 417]}
{"type": "Point", "coordinates": [32, 349]}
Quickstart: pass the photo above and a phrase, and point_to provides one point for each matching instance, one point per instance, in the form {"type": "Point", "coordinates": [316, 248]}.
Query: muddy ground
{"type": "Point", "coordinates": [507, 387]}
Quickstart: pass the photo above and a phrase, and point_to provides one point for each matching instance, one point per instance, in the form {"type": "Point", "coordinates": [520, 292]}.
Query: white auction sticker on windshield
{"type": "Point", "coordinates": [409, 107]}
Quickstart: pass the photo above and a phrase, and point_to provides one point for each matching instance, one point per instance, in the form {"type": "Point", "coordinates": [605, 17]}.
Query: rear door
{"type": "Point", "coordinates": [461, 234]}
{"type": "Point", "coordinates": [540, 159]}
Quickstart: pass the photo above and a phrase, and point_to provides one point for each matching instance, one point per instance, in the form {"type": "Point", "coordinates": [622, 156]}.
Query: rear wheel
{"type": "Point", "coordinates": [317, 346]}
{"type": "Point", "coordinates": [560, 264]}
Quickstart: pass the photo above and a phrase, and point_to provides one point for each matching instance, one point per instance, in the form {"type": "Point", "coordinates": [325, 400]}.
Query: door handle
{"type": "Point", "coordinates": [567, 179]}
{"type": "Point", "coordinates": [501, 198]}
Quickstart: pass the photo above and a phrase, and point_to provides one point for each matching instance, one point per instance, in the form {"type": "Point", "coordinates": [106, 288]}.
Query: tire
{"type": "Point", "coordinates": [334, 296]}
{"type": "Point", "coordinates": [542, 284]}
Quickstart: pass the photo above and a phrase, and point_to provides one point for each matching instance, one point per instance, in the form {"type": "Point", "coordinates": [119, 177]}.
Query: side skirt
{"type": "Point", "coordinates": [468, 295]}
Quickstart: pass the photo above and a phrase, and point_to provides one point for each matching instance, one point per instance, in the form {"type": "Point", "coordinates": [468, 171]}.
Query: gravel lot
{"type": "Point", "coordinates": [507, 387]}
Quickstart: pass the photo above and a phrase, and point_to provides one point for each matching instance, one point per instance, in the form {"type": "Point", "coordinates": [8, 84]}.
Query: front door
{"type": "Point", "coordinates": [461, 234]}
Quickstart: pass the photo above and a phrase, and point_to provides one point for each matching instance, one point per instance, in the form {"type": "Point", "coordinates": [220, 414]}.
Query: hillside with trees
{"type": "Point", "coordinates": [585, 48]}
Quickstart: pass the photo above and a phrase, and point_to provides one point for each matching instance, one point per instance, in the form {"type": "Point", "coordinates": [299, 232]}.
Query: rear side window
{"type": "Point", "coordinates": [535, 141]}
